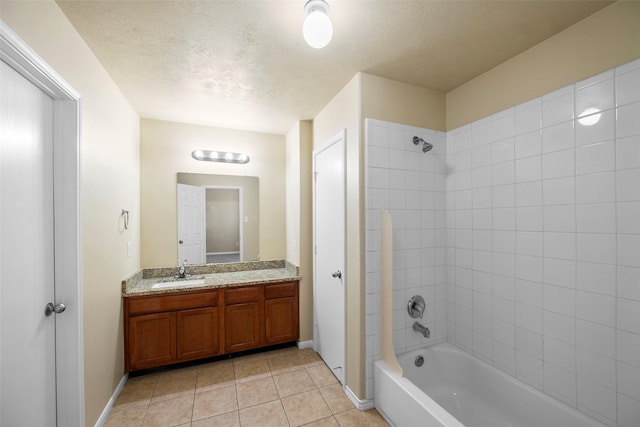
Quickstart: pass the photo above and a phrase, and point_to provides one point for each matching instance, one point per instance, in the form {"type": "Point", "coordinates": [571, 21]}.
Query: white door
{"type": "Point", "coordinates": [28, 345]}
{"type": "Point", "coordinates": [191, 228]}
{"type": "Point", "coordinates": [329, 255]}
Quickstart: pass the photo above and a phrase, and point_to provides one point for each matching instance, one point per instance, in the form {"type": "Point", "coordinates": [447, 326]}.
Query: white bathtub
{"type": "Point", "coordinates": [454, 389]}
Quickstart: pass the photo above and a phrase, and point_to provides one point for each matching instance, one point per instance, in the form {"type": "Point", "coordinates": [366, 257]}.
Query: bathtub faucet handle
{"type": "Point", "coordinates": [416, 306]}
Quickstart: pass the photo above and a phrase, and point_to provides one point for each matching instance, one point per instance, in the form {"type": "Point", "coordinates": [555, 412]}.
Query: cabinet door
{"type": "Point", "coordinates": [152, 340]}
{"type": "Point", "coordinates": [197, 333]}
{"type": "Point", "coordinates": [281, 320]}
{"type": "Point", "coordinates": [242, 326]}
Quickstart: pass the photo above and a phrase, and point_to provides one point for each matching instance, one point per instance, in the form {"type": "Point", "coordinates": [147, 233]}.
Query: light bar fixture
{"type": "Point", "coordinates": [219, 156]}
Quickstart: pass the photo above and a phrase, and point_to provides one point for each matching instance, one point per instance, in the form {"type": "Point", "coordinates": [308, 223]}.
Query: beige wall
{"type": "Point", "coordinates": [299, 217]}
{"type": "Point", "coordinates": [602, 41]}
{"type": "Point", "coordinates": [223, 220]}
{"type": "Point", "coordinates": [392, 101]}
{"type": "Point", "coordinates": [109, 183]}
{"type": "Point", "coordinates": [343, 112]}
{"type": "Point", "coordinates": [165, 149]}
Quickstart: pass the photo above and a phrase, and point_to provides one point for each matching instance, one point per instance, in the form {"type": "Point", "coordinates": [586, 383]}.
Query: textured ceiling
{"type": "Point", "coordinates": [245, 65]}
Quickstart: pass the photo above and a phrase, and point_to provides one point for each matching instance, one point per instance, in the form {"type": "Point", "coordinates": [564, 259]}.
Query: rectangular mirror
{"type": "Point", "coordinates": [217, 218]}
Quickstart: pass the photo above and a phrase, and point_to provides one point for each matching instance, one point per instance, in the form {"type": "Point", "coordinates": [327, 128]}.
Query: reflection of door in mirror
{"type": "Point", "coordinates": [223, 224]}
{"type": "Point", "coordinates": [191, 225]}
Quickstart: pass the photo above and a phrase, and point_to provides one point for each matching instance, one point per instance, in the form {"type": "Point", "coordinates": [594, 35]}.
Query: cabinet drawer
{"type": "Point", "coordinates": [160, 303]}
{"type": "Point", "coordinates": [241, 295]}
{"type": "Point", "coordinates": [280, 290]}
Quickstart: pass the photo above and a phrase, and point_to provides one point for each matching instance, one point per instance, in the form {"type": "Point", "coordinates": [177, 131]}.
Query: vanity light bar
{"type": "Point", "coordinates": [219, 156]}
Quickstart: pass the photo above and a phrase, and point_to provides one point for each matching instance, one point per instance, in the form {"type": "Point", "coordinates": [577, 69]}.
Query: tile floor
{"type": "Point", "coordinates": [286, 387]}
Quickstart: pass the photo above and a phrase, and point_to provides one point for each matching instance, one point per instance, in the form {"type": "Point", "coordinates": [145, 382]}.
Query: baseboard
{"type": "Point", "coordinates": [362, 405]}
{"type": "Point", "coordinates": [305, 344]}
{"type": "Point", "coordinates": [112, 401]}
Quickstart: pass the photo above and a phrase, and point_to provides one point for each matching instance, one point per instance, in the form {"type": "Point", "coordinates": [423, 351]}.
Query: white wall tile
{"type": "Point", "coordinates": [558, 137]}
{"type": "Point", "coordinates": [559, 326]}
{"type": "Point", "coordinates": [560, 191]}
{"type": "Point", "coordinates": [529, 318]}
{"type": "Point", "coordinates": [599, 157]}
{"type": "Point", "coordinates": [596, 308]}
{"type": "Point", "coordinates": [598, 278]}
{"type": "Point", "coordinates": [529, 342]}
{"type": "Point", "coordinates": [598, 248]}
{"type": "Point", "coordinates": [597, 218]}
{"type": "Point", "coordinates": [559, 300]}
{"type": "Point", "coordinates": [529, 243]}
{"type": "Point", "coordinates": [627, 188]}
{"type": "Point", "coordinates": [528, 169]}
{"type": "Point", "coordinates": [504, 219]}
{"type": "Point", "coordinates": [481, 156]}
{"type": "Point", "coordinates": [596, 188]}
{"type": "Point", "coordinates": [528, 193]}
{"type": "Point", "coordinates": [502, 173]}
{"type": "Point", "coordinates": [481, 177]}
{"type": "Point", "coordinates": [596, 338]}
{"type": "Point", "coordinates": [628, 152]}
{"type": "Point", "coordinates": [528, 292]}
{"type": "Point", "coordinates": [529, 218]}
{"type": "Point", "coordinates": [560, 383]}
{"type": "Point", "coordinates": [529, 369]}
{"type": "Point", "coordinates": [557, 106]}
{"type": "Point", "coordinates": [559, 272]}
{"type": "Point", "coordinates": [598, 96]}
{"type": "Point", "coordinates": [529, 268]}
{"type": "Point", "coordinates": [597, 368]}
{"type": "Point", "coordinates": [560, 245]}
{"type": "Point", "coordinates": [628, 88]}
{"type": "Point", "coordinates": [560, 354]}
{"type": "Point", "coordinates": [560, 218]}
{"type": "Point", "coordinates": [628, 348]}
{"type": "Point", "coordinates": [628, 411]}
{"type": "Point", "coordinates": [628, 283]}
{"type": "Point", "coordinates": [481, 132]}
{"type": "Point", "coordinates": [502, 151]}
{"type": "Point", "coordinates": [502, 125]}
{"type": "Point", "coordinates": [528, 144]}
{"type": "Point", "coordinates": [629, 380]}
{"type": "Point", "coordinates": [528, 117]}
{"type": "Point", "coordinates": [629, 316]}
{"type": "Point", "coordinates": [587, 132]}
{"type": "Point", "coordinates": [504, 241]}
{"type": "Point", "coordinates": [558, 164]}
{"type": "Point", "coordinates": [503, 196]}
{"type": "Point", "coordinates": [627, 123]}
{"type": "Point", "coordinates": [599, 400]}
{"type": "Point", "coordinates": [629, 250]}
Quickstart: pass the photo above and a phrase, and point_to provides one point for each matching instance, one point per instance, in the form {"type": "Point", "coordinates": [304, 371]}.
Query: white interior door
{"type": "Point", "coordinates": [191, 228]}
{"type": "Point", "coordinates": [329, 255]}
{"type": "Point", "coordinates": [28, 343]}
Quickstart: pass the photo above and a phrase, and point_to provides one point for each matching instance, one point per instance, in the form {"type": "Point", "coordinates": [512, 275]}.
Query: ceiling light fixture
{"type": "Point", "coordinates": [317, 28]}
{"type": "Point", "coordinates": [219, 156]}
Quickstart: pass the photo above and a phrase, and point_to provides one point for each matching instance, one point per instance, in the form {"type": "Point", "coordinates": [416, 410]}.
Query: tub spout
{"type": "Point", "coordinates": [418, 327]}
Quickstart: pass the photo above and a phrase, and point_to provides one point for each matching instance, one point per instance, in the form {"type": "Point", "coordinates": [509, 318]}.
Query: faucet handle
{"type": "Point", "coordinates": [416, 306]}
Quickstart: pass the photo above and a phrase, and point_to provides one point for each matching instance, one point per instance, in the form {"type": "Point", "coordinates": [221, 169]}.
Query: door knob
{"type": "Point", "coordinates": [180, 241]}
{"type": "Point", "coordinates": [337, 274]}
{"type": "Point", "coordinates": [50, 308]}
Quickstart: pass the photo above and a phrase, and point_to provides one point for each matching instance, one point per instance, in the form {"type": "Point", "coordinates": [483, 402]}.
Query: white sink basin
{"type": "Point", "coordinates": [178, 283]}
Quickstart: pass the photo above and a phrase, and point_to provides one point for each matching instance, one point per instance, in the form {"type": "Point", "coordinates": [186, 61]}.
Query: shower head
{"type": "Point", "coordinates": [425, 145]}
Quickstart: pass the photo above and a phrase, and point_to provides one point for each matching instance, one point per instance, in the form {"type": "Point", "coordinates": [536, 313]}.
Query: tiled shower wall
{"type": "Point", "coordinates": [543, 219]}
{"type": "Point", "coordinates": [409, 184]}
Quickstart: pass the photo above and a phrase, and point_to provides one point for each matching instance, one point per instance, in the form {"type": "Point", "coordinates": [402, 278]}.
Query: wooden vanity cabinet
{"type": "Point", "coordinates": [165, 329]}
{"type": "Point", "coordinates": [242, 313]}
{"type": "Point", "coordinates": [281, 313]}
{"type": "Point", "coordinates": [170, 328]}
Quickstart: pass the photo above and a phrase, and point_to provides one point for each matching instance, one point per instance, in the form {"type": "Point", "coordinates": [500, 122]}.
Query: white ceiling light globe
{"type": "Point", "coordinates": [317, 28]}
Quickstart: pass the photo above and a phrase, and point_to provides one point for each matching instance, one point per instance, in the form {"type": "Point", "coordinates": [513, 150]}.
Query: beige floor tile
{"type": "Point", "coordinates": [174, 386]}
{"type": "Point", "coordinates": [336, 399]}
{"type": "Point", "coordinates": [281, 352]}
{"type": "Point", "coordinates": [305, 407]}
{"type": "Point", "coordinates": [357, 418]}
{"type": "Point", "coordinates": [251, 369]}
{"type": "Point", "coordinates": [130, 416]}
{"type": "Point", "coordinates": [215, 402]}
{"type": "Point", "coordinates": [295, 382]}
{"type": "Point", "coordinates": [248, 358]}
{"type": "Point", "coordinates": [213, 377]}
{"type": "Point", "coordinates": [285, 363]}
{"type": "Point", "coordinates": [309, 357]}
{"type": "Point", "coordinates": [230, 419]}
{"type": "Point", "coordinates": [212, 366]}
{"type": "Point", "coordinates": [137, 391]}
{"type": "Point", "coordinates": [322, 375]}
{"type": "Point", "coordinates": [255, 392]}
{"type": "Point", "coordinates": [269, 414]}
{"type": "Point", "coordinates": [169, 412]}
{"type": "Point", "coordinates": [324, 422]}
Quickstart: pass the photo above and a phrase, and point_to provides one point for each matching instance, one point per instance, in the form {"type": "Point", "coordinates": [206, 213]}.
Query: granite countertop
{"type": "Point", "coordinates": [214, 275]}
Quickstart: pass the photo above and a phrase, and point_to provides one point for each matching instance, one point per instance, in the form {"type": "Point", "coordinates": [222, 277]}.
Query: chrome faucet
{"type": "Point", "coordinates": [419, 327]}
{"type": "Point", "coordinates": [182, 271]}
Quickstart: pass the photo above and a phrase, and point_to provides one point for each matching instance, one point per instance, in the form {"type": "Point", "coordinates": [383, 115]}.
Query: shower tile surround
{"type": "Point", "coordinates": [540, 228]}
